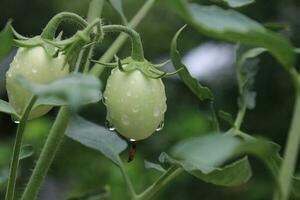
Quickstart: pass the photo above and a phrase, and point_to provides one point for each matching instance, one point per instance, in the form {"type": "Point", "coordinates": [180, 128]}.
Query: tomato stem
{"type": "Point", "coordinates": [51, 28]}
{"type": "Point", "coordinates": [137, 47]}
{"type": "Point", "coordinates": [48, 153]}
{"type": "Point", "coordinates": [97, 69]}
{"type": "Point", "coordinates": [291, 153]}
{"type": "Point", "coordinates": [10, 190]}
{"type": "Point", "coordinates": [162, 181]}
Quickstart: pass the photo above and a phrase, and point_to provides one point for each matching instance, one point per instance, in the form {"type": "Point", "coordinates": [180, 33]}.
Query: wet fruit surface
{"type": "Point", "coordinates": [38, 67]}
{"type": "Point", "coordinates": [135, 103]}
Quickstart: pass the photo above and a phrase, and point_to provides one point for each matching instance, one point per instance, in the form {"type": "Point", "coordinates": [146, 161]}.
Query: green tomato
{"type": "Point", "coordinates": [135, 103]}
{"type": "Point", "coordinates": [38, 67]}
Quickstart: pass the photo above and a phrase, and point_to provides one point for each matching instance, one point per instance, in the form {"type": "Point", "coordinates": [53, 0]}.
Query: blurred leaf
{"type": "Point", "coordinates": [6, 41]}
{"type": "Point", "coordinates": [118, 6]}
{"type": "Point", "coordinates": [205, 153]}
{"type": "Point", "coordinates": [26, 151]}
{"type": "Point", "coordinates": [98, 195]}
{"type": "Point", "coordinates": [74, 89]}
{"type": "Point", "coordinates": [276, 26]}
{"type": "Point", "coordinates": [5, 107]}
{"type": "Point", "coordinates": [246, 70]}
{"type": "Point", "coordinates": [200, 91]}
{"type": "Point", "coordinates": [204, 156]}
{"type": "Point", "coordinates": [227, 117]}
{"type": "Point", "coordinates": [271, 158]}
{"type": "Point", "coordinates": [151, 165]}
{"type": "Point", "coordinates": [97, 137]}
{"type": "Point", "coordinates": [233, 26]}
{"type": "Point", "coordinates": [238, 3]}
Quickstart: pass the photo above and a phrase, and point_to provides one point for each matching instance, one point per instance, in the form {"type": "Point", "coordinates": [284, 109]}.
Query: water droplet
{"type": "Point", "coordinates": [156, 111]}
{"type": "Point", "coordinates": [125, 119]}
{"type": "Point", "coordinates": [104, 99]}
{"type": "Point", "coordinates": [16, 121]}
{"type": "Point", "coordinates": [160, 126]}
{"type": "Point", "coordinates": [132, 140]}
{"type": "Point", "coordinates": [109, 125]}
{"type": "Point", "coordinates": [128, 93]}
{"type": "Point", "coordinates": [136, 108]}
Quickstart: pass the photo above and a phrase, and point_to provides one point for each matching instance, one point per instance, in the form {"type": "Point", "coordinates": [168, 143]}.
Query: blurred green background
{"type": "Point", "coordinates": [78, 170]}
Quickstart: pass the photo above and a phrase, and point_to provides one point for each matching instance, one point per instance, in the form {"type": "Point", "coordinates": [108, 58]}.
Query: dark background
{"type": "Point", "coordinates": [78, 170]}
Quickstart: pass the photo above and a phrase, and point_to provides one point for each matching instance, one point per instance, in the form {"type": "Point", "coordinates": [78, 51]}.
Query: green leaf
{"type": "Point", "coordinates": [151, 165]}
{"type": "Point", "coordinates": [26, 151]}
{"type": "Point", "coordinates": [97, 137]}
{"type": "Point", "coordinates": [6, 41]}
{"type": "Point", "coordinates": [74, 90]}
{"type": "Point", "coordinates": [200, 91]}
{"type": "Point", "coordinates": [204, 157]}
{"type": "Point", "coordinates": [226, 117]}
{"type": "Point", "coordinates": [246, 70]}
{"type": "Point", "coordinates": [238, 3]}
{"type": "Point", "coordinates": [118, 6]}
{"type": "Point", "coordinates": [5, 107]}
{"type": "Point", "coordinates": [233, 26]}
{"type": "Point", "coordinates": [271, 158]}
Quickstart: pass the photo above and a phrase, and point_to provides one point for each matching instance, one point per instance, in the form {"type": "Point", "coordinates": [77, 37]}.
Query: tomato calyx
{"type": "Point", "coordinates": [147, 68]}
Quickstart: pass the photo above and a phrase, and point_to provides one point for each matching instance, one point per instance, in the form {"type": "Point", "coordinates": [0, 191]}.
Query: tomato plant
{"type": "Point", "coordinates": [62, 70]}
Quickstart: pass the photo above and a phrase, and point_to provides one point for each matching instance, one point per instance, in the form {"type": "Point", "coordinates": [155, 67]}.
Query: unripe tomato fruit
{"type": "Point", "coordinates": [135, 103]}
{"type": "Point", "coordinates": [38, 67]}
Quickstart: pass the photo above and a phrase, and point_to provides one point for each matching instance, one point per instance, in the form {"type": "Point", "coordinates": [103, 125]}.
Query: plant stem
{"type": "Point", "coordinates": [129, 185]}
{"type": "Point", "coordinates": [47, 155]}
{"type": "Point", "coordinates": [97, 69]}
{"type": "Point", "coordinates": [166, 178]}
{"type": "Point", "coordinates": [291, 152]}
{"type": "Point", "coordinates": [95, 10]}
{"type": "Point", "coordinates": [240, 117]}
{"type": "Point", "coordinates": [50, 29]}
{"type": "Point", "coordinates": [137, 47]}
{"type": "Point", "coordinates": [10, 191]}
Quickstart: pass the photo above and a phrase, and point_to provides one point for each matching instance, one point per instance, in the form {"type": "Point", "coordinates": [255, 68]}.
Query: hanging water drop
{"type": "Point", "coordinates": [109, 126]}
{"type": "Point", "coordinates": [160, 126]}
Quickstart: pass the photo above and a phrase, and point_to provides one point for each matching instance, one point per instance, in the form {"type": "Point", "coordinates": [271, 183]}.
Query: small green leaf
{"type": "Point", "coordinates": [26, 151]}
{"type": "Point", "coordinates": [226, 117]}
{"type": "Point", "coordinates": [74, 90]}
{"type": "Point", "coordinates": [97, 137]}
{"type": "Point", "coordinates": [151, 165]}
{"type": "Point", "coordinates": [118, 6]}
{"type": "Point", "coordinates": [246, 70]}
{"type": "Point", "coordinates": [5, 107]}
{"type": "Point", "coordinates": [235, 27]}
{"type": "Point", "coordinates": [6, 41]}
{"type": "Point", "coordinates": [238, 3]}
{"type": "Point", "coordinates": [200, 91]}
